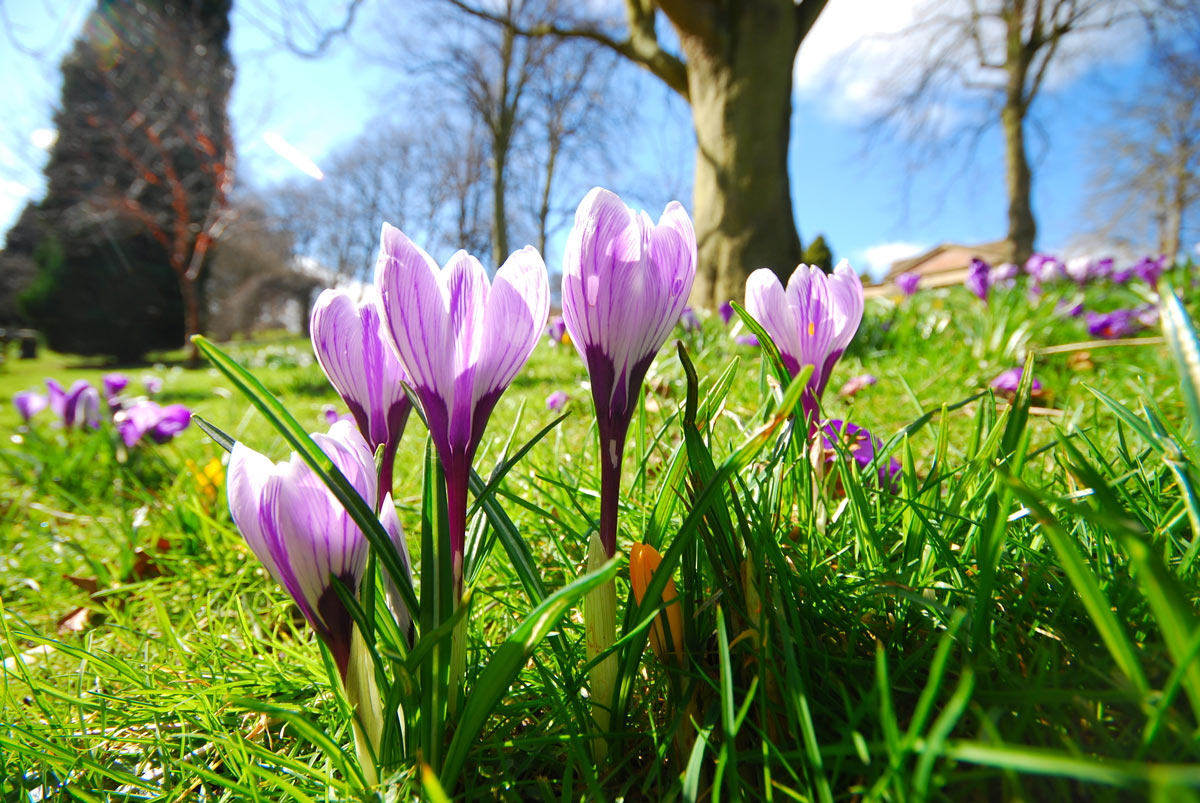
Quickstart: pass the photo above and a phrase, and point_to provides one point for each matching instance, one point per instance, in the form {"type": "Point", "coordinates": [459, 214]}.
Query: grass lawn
{"type": "Point", "coordinates": [1015, 621]}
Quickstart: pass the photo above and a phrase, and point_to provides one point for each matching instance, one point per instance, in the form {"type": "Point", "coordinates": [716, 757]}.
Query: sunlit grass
{"type": "Point", "coordinates": [1016, 622]}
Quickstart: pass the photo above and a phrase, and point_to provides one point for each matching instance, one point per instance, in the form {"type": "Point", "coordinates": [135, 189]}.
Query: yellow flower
{"type": "Point", "coordinates": [210, 479]}
{"type": "Point", "coordinates": [643, 562]}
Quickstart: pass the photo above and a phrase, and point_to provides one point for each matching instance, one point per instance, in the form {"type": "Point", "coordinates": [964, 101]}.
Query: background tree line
{"type": "Point", "coordinates": [501, 116]}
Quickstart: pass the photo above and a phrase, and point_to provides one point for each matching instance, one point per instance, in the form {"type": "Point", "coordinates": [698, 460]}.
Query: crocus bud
{"type": "Point", "coordinates": [643, 563]}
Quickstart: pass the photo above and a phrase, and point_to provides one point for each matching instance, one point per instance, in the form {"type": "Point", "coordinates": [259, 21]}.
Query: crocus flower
{"type": "Point", "coordinates": [1067, 308]}
{"type": "Point", "coordinates": [557, 330]}
{"type": "Point", "coordinates": [726, 312]}
{"type": "Point", "coordinates": [1115, 324]}
{"type": "Point", "coordinates": [461, 341]}
{"type": "Point", "coordinates": [1009, 381]}
{"type": "Point", "coordinates": [1149, 270]}
{"type": "Point", "coordinates": [556, 401]}
{"type": "Point", "coordinates": [364, 370]}
{"type": "Point", "coordinates": [644, 561]}
{"type": "Point", "coordinates": [862, 447]}
{"type": "Point", "coordinates": [305, 537]}
{"type": "Point", "coordinates": [977, 278]}
{"type": "Point", "coordinates": [149, 418]}
{"type": "Point", "coordinates": [811, 322]}
{"type": "Point", "coordinates": [113, 384]}
{"type": "Point", "coordinates": [856, 383]}
{"type": "Point", "coordinates": [153, 384]}
{"type": "Point", "coordinates": [1079, 269]}
{"type": "Point", "coordinates": [688, 320]}
{"type": "Point", "coordinates": [1147, 315]}
{"type": "Point", "coordinates": [1043, 268]}
{"type": "Point", "coordinates": [56, 396]}
{"type": "Point", "coordinates": [625, 282]}
{"type": "Point", "coordinates": [908, 282]}
{"type": "Point", "coordinates": [332, 416]}
{"type": "Point", "coordinates": [746, 340]}
{"type": "Point", "coordinates": [1003, 275]}
{"type": "Point", "coordinates": [81, 405]}
{"type": "Point", "coordinates": [29, 403]}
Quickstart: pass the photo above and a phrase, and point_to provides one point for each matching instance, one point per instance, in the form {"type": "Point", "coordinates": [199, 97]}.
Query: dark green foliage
{"type": "Point", "coordinates": [818, 253]}
{"type": "Point", "coordinates": [142, 137]}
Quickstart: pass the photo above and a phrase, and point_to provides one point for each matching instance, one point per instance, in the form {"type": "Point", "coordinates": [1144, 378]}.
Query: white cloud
{"type": "Point", "coordinates": [878, 259]}
{"type": "Point", "coordinates": [855, 50]}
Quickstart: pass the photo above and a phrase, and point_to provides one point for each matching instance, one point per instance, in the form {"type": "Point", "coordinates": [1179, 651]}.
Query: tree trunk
{"type": "Point", "coordinates": [191, 318]}
{"type": "Point", "coordinates": [499, 212]}
{"type": "Point", "coordinates": [1022, 228]}
{"type": "Point", "coordinates": [740, 88]}
{"type": "Point", "coordinates": [1173, 232]}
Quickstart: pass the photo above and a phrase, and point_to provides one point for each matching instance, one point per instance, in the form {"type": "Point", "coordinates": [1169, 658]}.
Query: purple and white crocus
{"type": "Point", "coordinates": [303, 534]}
{"type": "Point", "coordinates": [149, 418]}
{"type": "Point", "coordinates": [461, 339]}
{"type": "Point", "coordinates": [29, 403]}
{"type": "Point", "coordinates": [978, 276]}
{"type": "Point", "coordinates": [353, 352]}
{"type": "Point", "coordinates": [77, 406]}
{"type": "Point", "coordinates": [625, 283]}
{"type": "Point", "coordinates": [305, 538]}
{"type": "Point", "coordinates": [811, 322]}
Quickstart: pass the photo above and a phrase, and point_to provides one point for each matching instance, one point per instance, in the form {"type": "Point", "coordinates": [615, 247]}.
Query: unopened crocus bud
{"type": "Point", "coordinates": [644, 561]}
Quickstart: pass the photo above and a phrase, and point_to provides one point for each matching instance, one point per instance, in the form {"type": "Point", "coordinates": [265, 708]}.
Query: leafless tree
{"type": "Point", "coordinates": [998, 54]}
{"type": "Point", "coordinates": [735, 71]}
{"type": "Point", "coordinates": [1147, 177]}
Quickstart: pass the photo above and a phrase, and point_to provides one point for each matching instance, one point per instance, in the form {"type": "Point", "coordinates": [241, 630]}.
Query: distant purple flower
{"type": "Point", "coordinates": [556, 401]}
{"type": "Point", "coordinates": [113, 384]}
{"type": "Point", "coordinates": [172, 419]}
{"type": "Point", "coordinates": [154, 384]}
{"type": "Point", "coordinates": [726, 312]}
{"type": "Point", "coordinates": [1079, 269]}
{"type": "Point", "coordinates": [364, 370]}
{"type": "Point", "coordinates": [332, 416]}
{"type": "Point", "coordinates": [1003, 275]}
{"type": "Point", "coordinates": [1009, 381]}
{"type": "Point", "coordinates": [746, 340]}
{"type": "Point", "coordinates": [862, 446]}
{"type": "Point", "coordinates": [688, 320]}
{"type": "Point", "coordinates": [1149, 270]}
{"type": "Point", "coordinates": [29, 403]}
{"type": "Point", "coordinates": [81, 406]}
{"type": "Point", "coordinates": [1043, 268]}
{"type": "Point", "coordinates": [1115, 324]}
{"type": "Point", "coordinates": [56, 396]}
{"type": "Point", "coordinates": [556, 329]}
{"type": "Point", "coordinates": [149, 418]}
{"type": "Point", "coordinates": [1069, 309]}
{"type": "Point", "coordinates": [1102, 268]}
{"type": "Point", "coordinates": [461, 339]}
{"type": "Point", "coordinates": [977, 278]}
{"type": "Point", "coordinates": [855, 384]}
{"type": "Point", "coordinates": [625, 282]}
{"type": "Point", "coordinates": [1147, 315]}
{"type": "Point", "coordinates": [303, 534]}
{"type": "Point", "coordinates": [908, 282]}
{"type": "Point", "coordinates": [811, 322]}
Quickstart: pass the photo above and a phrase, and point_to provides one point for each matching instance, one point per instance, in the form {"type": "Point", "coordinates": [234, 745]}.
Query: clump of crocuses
{"type": "Point", "coordinates": [625, 282]}
{"type": "Point", "coordinates": [811, 322]}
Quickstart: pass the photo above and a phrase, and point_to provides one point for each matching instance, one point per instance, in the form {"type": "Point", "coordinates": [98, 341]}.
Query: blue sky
{"type": "Point", "coordinates": [869, 208]}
